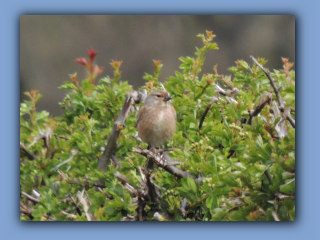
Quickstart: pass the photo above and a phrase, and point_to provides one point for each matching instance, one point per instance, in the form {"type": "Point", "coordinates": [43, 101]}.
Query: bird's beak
{"type": "Point", "coordinates": [167, 98]}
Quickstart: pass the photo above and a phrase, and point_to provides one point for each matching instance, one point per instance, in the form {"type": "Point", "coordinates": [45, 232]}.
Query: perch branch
{"type": "Point", "coordinates": [164, 163]}
{"type": "Point", "coordinates": [110, 149]}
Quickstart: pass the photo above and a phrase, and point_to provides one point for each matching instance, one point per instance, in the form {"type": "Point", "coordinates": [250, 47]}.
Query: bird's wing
{"type": "Point", "coordinates": [139, 114]}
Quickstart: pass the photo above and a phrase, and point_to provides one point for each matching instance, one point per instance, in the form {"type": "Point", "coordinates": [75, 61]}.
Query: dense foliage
{"type": "Point", "coordinates": [230, 134]}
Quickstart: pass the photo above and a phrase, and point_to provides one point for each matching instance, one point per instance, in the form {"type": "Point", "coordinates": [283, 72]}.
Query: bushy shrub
{"type": "Point", "coordinates": [232, 157]}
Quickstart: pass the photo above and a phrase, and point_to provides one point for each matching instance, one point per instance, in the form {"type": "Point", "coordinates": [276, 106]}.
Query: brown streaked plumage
{"type": "Point", "coordinates": [156, 119]}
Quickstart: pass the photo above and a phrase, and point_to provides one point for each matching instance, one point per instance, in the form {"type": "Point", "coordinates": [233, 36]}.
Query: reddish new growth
{"type": "Point", "coordinates": [93, 70]}
{"type": "Point", "coordinates": [287, 65]}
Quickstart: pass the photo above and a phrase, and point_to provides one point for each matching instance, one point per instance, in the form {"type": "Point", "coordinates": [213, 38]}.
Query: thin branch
{"type": "Point", "coordinates": [213, 99]}
{"type": "Point", "coordinates": [73, 153]}
{"type": "Point", "coordinates": [266, 173]}
{"type": "Point", "coordinates": [226, 83]}
{"type": "Point", "coordinates": [291, 121]}
{"type": "Point", "coordinates": [276, 90]}
{"type": "Point", "coordinates": [25, 210]}
{"type": "Point", "coordinates": [30, 197]}
{"type": "Point", "coordinates": [140, 208]}
{"type": "Point", "coordinates": [183, 205]}
{"type": "Point", "coordinates": [116, 160]}
{"type": "Point", "coordinates": [85, 203]}
{"type": "Point", "coordinates": [220, 90]}
{"type": "Point", "coordinates": [125, 181]}
{"type": "Point", "coordinates": [78, 210]}
{"type": "Point", "coordinates": [287, 116]}
{"type": "Point", "coordinates": [128, 218]}
{"type": "Point", "coordinates": [69, 215]}
{"type": "Point", "coordinates": [62, 137]}
{"type": "Point", "coordinates": [266, 98]}
{"type": "Point", "coordinates": [27, 153]}
{"type": "Point", "coordinates": [152, 191]}
{"type": "Point", "coordinates": [164, 162]}
{"type": "Point", "coordinates": [111, 148]}
{"type": "Point", "coordinates": [275, 216]}
{"type": "Point", "coordinates": [283, 196]}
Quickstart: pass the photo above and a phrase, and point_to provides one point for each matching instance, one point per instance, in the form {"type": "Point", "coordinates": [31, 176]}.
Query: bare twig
{"type": "Point", "coordinates": [75, 205]}
{"type": "Point", "coordinates": [220, 90]}
{"type": "Point", "coordinates": [85, 203]}
{"type": "Point", "coordinates": [276, 90]}
{"type": "Point", "coordinates": [30, 197]}
{"type": "Point", "coordinates": [63, 137]}
{"type": "Point", "coordinates": [110, 149]}
{"type": "Point", "coordinates": [125, 181]}
{"type": "Point", "coordinates": [292, 121]}
{"type": "Point", "coordinates": [25, 210]}
{"type": "Point", "coordinates": [128, 218]}
{"type": "Point", "coordinates": [282, 196]}
{"type": "Point", "coordinates": [116, 160]}
{"type": "Point", "coordinates": [27, 153]}
{"type": "Point", "coordinates": [266, 173]}
{"type": "Point", "coordinates": [280, 127]}
{"type": "Point", "coordinates": [152, 191]}
{"type": "Point", "coordinates": [69, 215]}
{"type": "Point", "coordinates": [265, 99]}
{"type": "Point", "coordinates": [287, 116]}
{"type": "Point", "coordinates": [213, 99]}
{"type": "Point", "coordinates": [275, 216]}
{"type": "Point", "coordinates": [183, 205]}
{"type": "Point", "coordinates": [226, 83]}
{"type": "Point", "coordinates": [73, 153]}
{"type": "Point", "coordinates": [140, 208]}
{"type": "Point", "coordinates": [164, 162]}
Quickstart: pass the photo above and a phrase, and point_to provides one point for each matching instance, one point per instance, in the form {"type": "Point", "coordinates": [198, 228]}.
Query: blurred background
{"type": "Point", "coordinates": [49, 44]}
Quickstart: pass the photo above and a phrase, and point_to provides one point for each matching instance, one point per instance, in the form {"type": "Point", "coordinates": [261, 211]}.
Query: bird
{"type": "Point", "coordinates": [156, 119]}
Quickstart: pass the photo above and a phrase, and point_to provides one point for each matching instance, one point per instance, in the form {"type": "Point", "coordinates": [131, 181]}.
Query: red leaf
{"type": "Point", "coordinates": [92, 54]}
{"type": "Point", "coordinates": [82, 61]}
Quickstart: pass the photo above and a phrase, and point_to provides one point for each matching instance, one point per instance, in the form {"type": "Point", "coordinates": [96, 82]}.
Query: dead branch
{"type": "Point", "coordinates": [27, 153]}
{"type": "Point", "coordinates": [25, 210]}
{"type": "Point", "coordinates": [125, 182]}
{"type": "Point", "coordinates": [131, 99]}
{"type": "Point", "coordinates": [287, 116]}
{"type": "Point", "coordinates": [73, 153]}
{"type": "Point", "coordinates": [275, 216]}
{"type": "Point", "coordinates": [265, 99]}
{"type": "Point", "coordinates": [276, 90]}
{"type": "Point", "coordinates": [30, 197]}
{"type": "Point", "coordinates": [85, 203]}
{"type": "Point", "coordinates": [183, 205]}
{"type": "Point", "coordinates": [280, 127]}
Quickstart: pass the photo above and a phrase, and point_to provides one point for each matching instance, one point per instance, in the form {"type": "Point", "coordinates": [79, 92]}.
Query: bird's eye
{"type": "Point", "coordinates": [158, 95]}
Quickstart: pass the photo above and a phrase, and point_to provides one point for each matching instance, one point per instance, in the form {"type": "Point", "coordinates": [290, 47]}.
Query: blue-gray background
{"type": "Point", "coordinates": [308, 85]}
{"type": "Point", "coordinates": [50, 44]}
